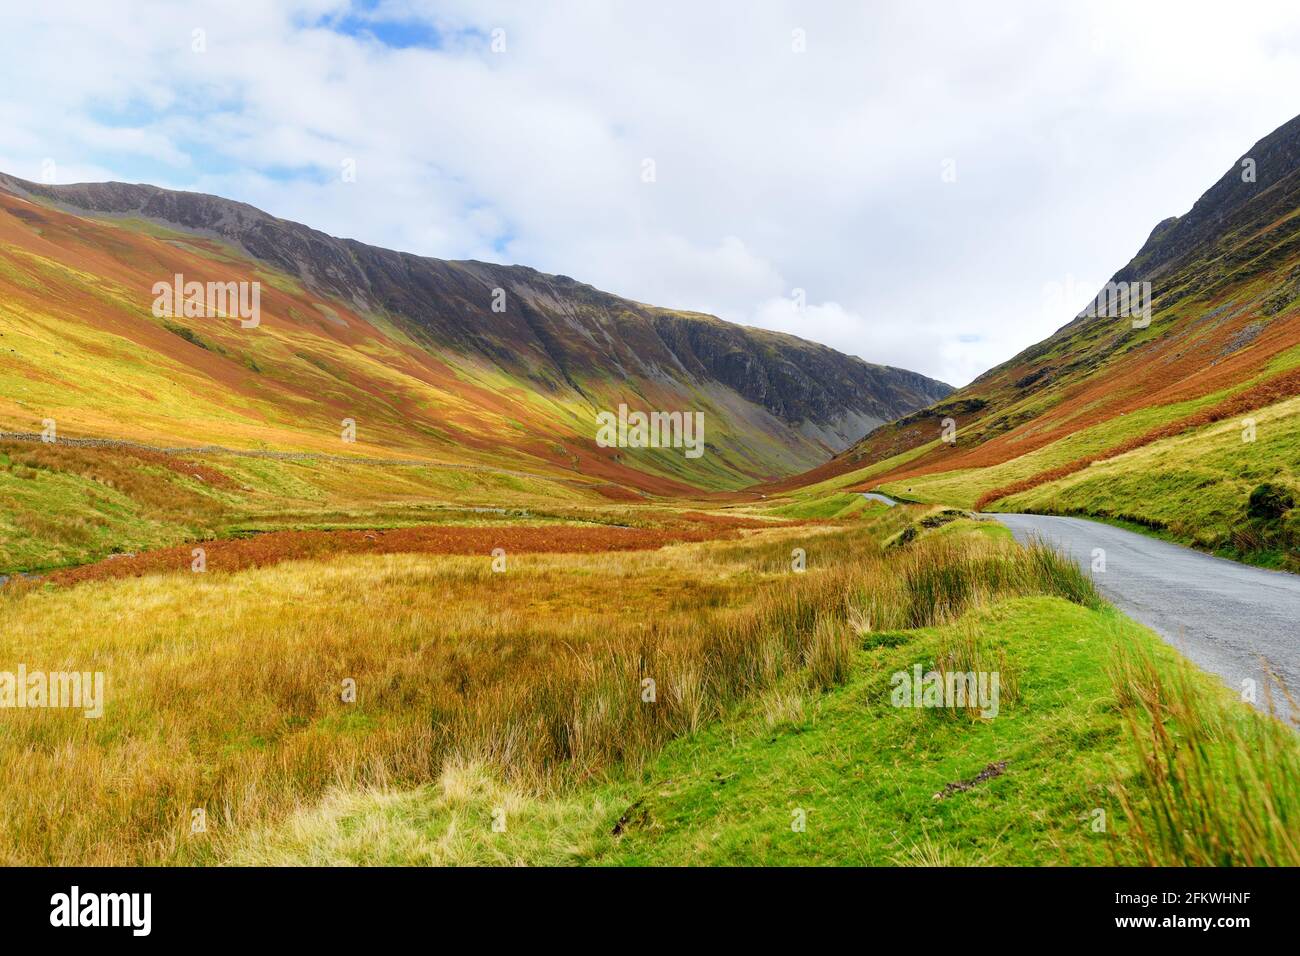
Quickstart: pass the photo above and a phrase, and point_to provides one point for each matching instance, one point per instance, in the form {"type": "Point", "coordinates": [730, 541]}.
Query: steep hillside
{"type": "Point", "coordinates": [448, 361]}
{"type": "Point", "coordinates": [1221, 349]}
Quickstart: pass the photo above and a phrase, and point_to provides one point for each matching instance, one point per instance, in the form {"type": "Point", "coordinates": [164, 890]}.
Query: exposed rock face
{"type": "Point", "coordinates": [1233, 232]}
{"type": "Point", "coordinates": [556, 332]}
{"type": "Point", "coordinates": [1261, 187]}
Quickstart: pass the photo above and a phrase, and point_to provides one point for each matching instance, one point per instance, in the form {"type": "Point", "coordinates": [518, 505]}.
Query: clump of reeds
{"type": "Point", "coordinates": [1215, 784]}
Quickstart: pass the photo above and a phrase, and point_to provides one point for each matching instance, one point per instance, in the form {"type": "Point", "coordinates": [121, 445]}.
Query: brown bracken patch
{"type": "Point", "coordinates": [275, 546]}
{"type": "Point", "coordinates": [1276, 389]}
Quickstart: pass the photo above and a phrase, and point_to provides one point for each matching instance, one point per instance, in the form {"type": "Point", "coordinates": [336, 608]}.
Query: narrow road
{"type": "Point", "coordinates": [1222, 615]}
{"type": "Point", "coordinates": [875, 496]}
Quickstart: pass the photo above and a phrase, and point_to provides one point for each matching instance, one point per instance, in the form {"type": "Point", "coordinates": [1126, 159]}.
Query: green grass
{"type": "Point", "coordinates": [837, 505]}
{"type": "Point", "coordinates": [1215, 786]}
{"type": "Point", "coordinates": [964, 526]}
{"type": "Point", "coordinates": [866, 773]}
{"type": "Point", "coordinates": [62, 505]}
{"type": "Point", "coordinates": [962, 487]}
{"type": "Point", "coordinates": [1194, 488]}
{"type": "Point", "coordinates": [863, 772]}
{"type": "Point", "coordinates": [1191, 488]}
{"type": "Point", "coordinates": [52, 515]}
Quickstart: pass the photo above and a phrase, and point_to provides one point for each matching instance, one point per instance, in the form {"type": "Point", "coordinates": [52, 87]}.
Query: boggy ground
{"type": "Point", "coordinates": [295, 704]}
{"type": "Point", "coordinates": [273, 547]}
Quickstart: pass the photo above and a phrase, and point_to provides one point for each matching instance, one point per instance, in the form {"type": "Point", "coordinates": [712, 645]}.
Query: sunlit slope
{"type": "Point", "coordinates": [411, 350]}
{"type": "Point", "coordinates": [1222, 346]}
{"type": "Point", "coordinates": [83, 348]}
{"type": "Point", "coordinates": [63, 505]}
{"type": "Point", "coordinates": [1197, 486]}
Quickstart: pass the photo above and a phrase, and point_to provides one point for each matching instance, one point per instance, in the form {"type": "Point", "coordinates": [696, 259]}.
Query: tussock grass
{"type": "Point", "coordinates": [1215, 785]}
{"type": "Point", "coordinates": [224, 690]}
{"type": "Point", "coordinates": [947, 576]}
{"type": "Point", "coordinates": [865, 772]}
{"type": "Point", "coordinates": [783, 708]}
{"type": "Point", "coordinates": [963, 650]}
{"type": "Point", "coordinates": [441, 824]}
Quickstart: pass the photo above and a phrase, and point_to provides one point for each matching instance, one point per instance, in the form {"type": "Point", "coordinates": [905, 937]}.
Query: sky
{"type": "Point", "coordinates": [929, 185]}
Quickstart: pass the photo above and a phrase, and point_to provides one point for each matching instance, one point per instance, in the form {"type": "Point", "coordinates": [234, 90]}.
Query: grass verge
{"type": "Point", "coordinates": [1110, 750]}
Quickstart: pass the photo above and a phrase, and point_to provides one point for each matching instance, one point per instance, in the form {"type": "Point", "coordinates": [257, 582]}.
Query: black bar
{"type": "Point", "coordinates": [215, 906]}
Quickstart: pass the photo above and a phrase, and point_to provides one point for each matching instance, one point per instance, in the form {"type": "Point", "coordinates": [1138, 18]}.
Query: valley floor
{"type": "Point", "coordinates": [795, 777]}
{"type": "Point", "coordinates": [726, 698]}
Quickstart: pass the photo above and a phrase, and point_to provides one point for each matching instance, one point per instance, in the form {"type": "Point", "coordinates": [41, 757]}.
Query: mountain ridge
{"type": "Point", "coordinates": [778, 403]}
{"type": "Point", "coordinates": [377, 279]}
{"type": "Point", "coordinates": [1221, 343]}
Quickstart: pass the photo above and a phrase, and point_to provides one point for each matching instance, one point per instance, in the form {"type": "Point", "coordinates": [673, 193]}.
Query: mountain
{"type": "Point", "coordinates": [449, 360]}
{"type": "Point", "coordinates": [1173, 424]}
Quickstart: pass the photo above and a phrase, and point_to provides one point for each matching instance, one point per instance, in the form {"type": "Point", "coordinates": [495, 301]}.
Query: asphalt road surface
{"type": "Point", "coordinates": [875, 496]}
{"type": "Point", "coordinates": [1222, 615]}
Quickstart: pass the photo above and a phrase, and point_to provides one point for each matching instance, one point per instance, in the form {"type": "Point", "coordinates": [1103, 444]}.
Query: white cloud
{"type": "Point", "coordinates": [1073, 131]}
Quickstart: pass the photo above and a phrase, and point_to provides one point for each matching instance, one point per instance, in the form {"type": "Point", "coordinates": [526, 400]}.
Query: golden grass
{"type": "Point", "coordinates": [1215, 785]}
{"type": "Point", "coordinates": [441, 824]}
{"type": "Point", "coordinates": [224, 692]}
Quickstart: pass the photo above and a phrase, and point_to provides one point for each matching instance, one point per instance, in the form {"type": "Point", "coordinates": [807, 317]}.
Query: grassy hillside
{"type": "Point", "coordinates": [64, 505]}
{"type": "Point", "coordinates": [79, 345]}
{"type": "Point", "coordinates": [1122, 419]}
{"type": "Point", "coordinates": [525, 689]}
{"type": "Point", "coordinates": [453, 363]}
{"type": "Point", "coordinates": [1196, 488]}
